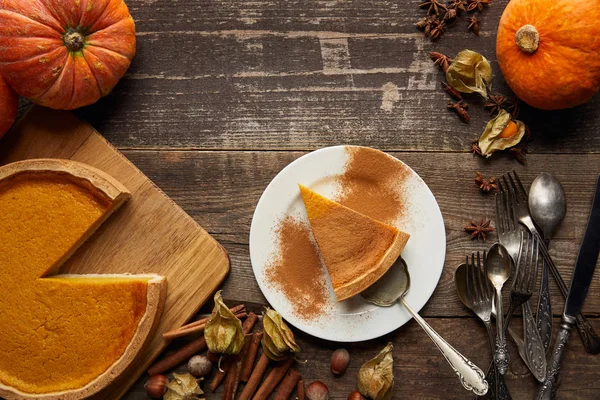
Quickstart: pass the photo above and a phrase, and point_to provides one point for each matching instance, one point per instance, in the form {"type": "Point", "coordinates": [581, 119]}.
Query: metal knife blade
{"type": "Point", "coordinates": [586, 260]}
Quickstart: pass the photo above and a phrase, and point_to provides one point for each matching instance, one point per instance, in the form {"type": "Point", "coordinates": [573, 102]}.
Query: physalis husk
{"type": "Point", "coordinates": [469, 72]}
{"type": "Point", "coordinates": [223, 332]}
{"type": "Point", "coordinates": [278, 339]}
{"type": "Point", "coordinates": [376, 376]}
{"type": "Point", "coordinates": [183, 387]}
{"type": "Point", "coordinates": [501, 133]}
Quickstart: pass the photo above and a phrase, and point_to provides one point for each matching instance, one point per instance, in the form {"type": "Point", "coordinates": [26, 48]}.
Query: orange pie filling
{"type": "Point", "coordinates": [61, 332]}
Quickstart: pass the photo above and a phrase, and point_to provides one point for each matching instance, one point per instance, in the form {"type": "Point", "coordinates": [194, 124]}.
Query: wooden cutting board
{"type": "Point", "coordinates": [150, 233]}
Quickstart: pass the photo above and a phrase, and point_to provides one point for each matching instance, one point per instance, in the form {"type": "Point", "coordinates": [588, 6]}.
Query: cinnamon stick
{"type": "Point", "coordinates": [233, 379]}
{"type": "Point", "coordinates": [178, 357]}
{"type": "Point", "coordinates": [250, 357]}
{"type": "Point", "coordinates": [249, 323]}
{"type": "Point", "coordinates": [284, 391]}
{"type": "Point", "coordinates": [195, 327]}
{"type": "Point", "coordinates": [220, 374]}
{"type": "Point", "coordinates": [273, 379]}
{"type": "Point", "coordinates": [255, 378]}
{"type": "Point", "coordinates": [301, 390]}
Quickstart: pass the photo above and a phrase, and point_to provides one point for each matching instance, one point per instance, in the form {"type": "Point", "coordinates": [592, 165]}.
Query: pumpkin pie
{"type": "Point", "coordinates": [64, 336]}
{"type": "Point", "coordinates": [357, 250]}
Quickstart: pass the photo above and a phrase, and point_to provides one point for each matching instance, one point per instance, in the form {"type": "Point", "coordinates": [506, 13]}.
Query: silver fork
{"type": "Point", "coordinates": [589, 337]}
{"type": "Point", "coordinates": [544, 307]}
{"type": "Point", "coordinates": [481, 297]}
{"type": "Point", "coordinates": [523, 284]}
{"type": "Point", "coordinates": [507, 223]}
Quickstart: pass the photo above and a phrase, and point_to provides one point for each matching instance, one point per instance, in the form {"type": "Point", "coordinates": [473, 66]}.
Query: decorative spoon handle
{"type": "Point", "coordinates": [544, 308]}
{"type": "Point", "coordinates": [501, 354]}
{"type": "Point", "coordinates": [534, 346]}
{"type": "Point", "coordinates": [470, 375]}
{"type": "Point", "coordinates": [498, 388]}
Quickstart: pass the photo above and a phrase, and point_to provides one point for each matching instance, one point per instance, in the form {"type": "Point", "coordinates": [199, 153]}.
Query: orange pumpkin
{"type": "Point", "coordinates": [549, 51]}
{"type": "Point", "coordinates": [9, 104]}
{"type": "Point", "coordinates": [65, 54]}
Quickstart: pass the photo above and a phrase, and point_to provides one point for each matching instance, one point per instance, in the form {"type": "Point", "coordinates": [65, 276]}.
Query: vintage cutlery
{"type": "Point", "coordinates": [580, 283]}
{"type": "Point", "coordinates": [392, 287]}
{"type": "Point", "coordinates": [523, 284]}
{"type": "Point", "coordinates": [497, 268]}
{"type": "Point", "coordinates": [548, 207]}
{"type": "Point", "coordinates": [591, 340]}
{"type": "Point", "coordinates": [477, 294]}
{"type": "Point", "coordinates": [510, 234]}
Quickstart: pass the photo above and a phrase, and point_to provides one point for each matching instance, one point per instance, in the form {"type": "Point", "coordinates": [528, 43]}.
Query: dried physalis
{"type": "Point", "coordinates": [501, 133]}
{"type": "Point", "coordinates": [183, 387]}
{"type": "Point", "coordinates": [278, 340]}
{"type": "Point", "coordinates": [223, 332]}
{"type": "Point", "coordinates": [469, 72]}
{"type": "Point", "coordinates": [376, 376]}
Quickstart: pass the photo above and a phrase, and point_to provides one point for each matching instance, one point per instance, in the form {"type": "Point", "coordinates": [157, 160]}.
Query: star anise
{"type": "Point", "coordinates": [455, 94]}
{"type": "Point", "coordinates": [475, 149]}
{"type": "Point", "coordinates": [486, 185]}
{"type": "Point", "coordinates": [519, 153]}
{"type": "Point", "coordinates": [477, 5]}
{"type": "Point", "coordinates": [479, 229]}
{"type": "Point", "coordinates": [441, 60]}
{"type": "Point", "coordinates": [450, 16]}
{"type": "Point", "coordinates": [514, 108]}
{"type": "Point", "coordinates": [461, 109]}
{"type": "Point", "coordinates": [434, 6]}
{"type": "Point", "coordinates": [458, 5]}
{"type": "Point", "coordinates": [495, 103]}
{"type": "Point", "coordinates": [437, 28]}
{"type": "Point", "coordinates": [473, 24]}
{"type": "Point", "coordinates": [425, 24]}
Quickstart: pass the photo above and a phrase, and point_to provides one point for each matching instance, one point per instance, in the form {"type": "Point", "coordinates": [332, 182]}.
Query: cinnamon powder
{"type": "Point", "coordinates": [297, 270]}
{"type": "Point", "coordinates": [370, 184]}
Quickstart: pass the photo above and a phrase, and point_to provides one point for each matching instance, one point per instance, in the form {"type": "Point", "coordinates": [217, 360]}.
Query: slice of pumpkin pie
{"type": "Point", "coordinates": [357, 249]}
{"type": "Point", "coordinates": [64, 336]}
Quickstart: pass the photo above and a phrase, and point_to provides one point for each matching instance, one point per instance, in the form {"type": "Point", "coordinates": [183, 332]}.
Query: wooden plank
{"type": "Point", "coordinates": [302, 75]}
{"type": "Point", "coordinates": [221, 189]}
{"type": "Point", "coordinates": [421, 371]}
{"type": "Point", "coordinates": [149, 234]}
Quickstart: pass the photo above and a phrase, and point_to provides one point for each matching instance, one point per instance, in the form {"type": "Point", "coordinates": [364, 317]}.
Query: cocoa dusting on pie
{"type": "Point", "coordinates": [370, 184]}
{"type": "Point", "coordinates": [296, 270]}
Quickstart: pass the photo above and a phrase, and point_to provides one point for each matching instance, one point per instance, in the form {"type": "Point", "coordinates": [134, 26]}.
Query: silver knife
{"type": "Point", "coordinates": [580, 283]}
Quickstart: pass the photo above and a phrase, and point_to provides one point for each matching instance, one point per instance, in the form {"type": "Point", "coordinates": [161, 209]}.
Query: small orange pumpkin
{"type": "Point", "coordinates": [65, 54]}
{"type": "Point", "coordinates": [9, 105]}
{"type": "Point", "coordinates": [549, 51]}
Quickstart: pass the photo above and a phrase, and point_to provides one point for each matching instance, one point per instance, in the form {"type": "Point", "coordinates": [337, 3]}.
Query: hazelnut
{"type": "Point", "coordinates": [339, 361]}
{"type": "Point", "coordinates": [156, 386]}
{"type": "Point", "coordinates": [317, 391]}
{"type": "Point", "coordinates": [199, 366]}
{"type": "Point", "coordinates": [355, 396]}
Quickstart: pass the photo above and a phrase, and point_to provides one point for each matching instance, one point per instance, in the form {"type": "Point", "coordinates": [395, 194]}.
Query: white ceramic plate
{"type": "Point", "coordinates": [354, 319]}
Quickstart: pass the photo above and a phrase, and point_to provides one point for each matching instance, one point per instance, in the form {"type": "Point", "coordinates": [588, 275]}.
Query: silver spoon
{"type": "Point", "coordinates": [497, 267]}
{"type": "Point", "coordinates": [548, 207]}
{"type": "Point", "coordinates": [392, 287]}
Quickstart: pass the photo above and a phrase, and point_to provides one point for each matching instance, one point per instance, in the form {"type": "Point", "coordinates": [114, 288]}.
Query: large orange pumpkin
{"type": "Point", "coordinates": [549, 51]}
{"type": "Point", "coordinates": [9, 104]}
{"type": "Point", "coordinates": [65, 54]}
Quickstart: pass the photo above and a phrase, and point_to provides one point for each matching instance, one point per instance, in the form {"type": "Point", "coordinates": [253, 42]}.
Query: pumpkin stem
{"type": "Point", "coordinates": [74, 40]}
{"type": "Point", "coordinates": [528, 39]}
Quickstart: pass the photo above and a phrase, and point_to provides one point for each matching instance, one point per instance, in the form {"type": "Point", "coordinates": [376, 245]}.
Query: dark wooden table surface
{"type": "Point", "coordinates": [224, 93]}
